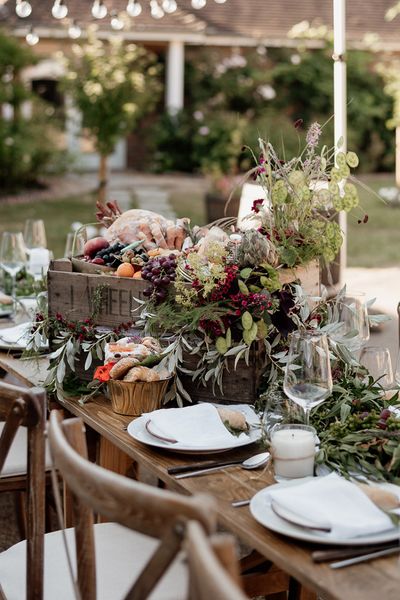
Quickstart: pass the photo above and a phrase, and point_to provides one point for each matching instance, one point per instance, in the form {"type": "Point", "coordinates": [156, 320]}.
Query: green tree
{"type": "Point", "coordinates": [112, 84]}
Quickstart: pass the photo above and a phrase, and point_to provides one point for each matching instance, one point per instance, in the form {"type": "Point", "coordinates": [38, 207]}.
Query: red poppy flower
{"type": "Point", "coordinates": [103, 373]}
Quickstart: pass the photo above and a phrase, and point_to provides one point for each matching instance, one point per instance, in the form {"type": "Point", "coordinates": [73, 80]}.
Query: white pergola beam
{"type": "Point", "coordinates": [174, 90]}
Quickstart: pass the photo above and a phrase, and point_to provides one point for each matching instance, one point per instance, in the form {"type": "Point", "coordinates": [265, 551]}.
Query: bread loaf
{"type": "Point", "coordinates": [141, 374]}
{"type": "Point", "coordinates": [382, 498]}
{"type": "Point", "coordinates": [122, 367]}
{"type": "Point", "coordinates": [233, 418]}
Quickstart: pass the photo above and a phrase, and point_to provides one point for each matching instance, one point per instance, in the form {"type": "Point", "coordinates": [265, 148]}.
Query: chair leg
{"type": "Point", "coordinates": [298, 592]}
{"type": "Point", "coordinates": [21, 513]}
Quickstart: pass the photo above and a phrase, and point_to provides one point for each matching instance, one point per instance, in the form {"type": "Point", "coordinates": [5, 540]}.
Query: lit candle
{"type": "Point", "coordinates": [293, 450]}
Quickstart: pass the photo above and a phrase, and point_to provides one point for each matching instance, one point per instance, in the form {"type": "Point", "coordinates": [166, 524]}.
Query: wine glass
{"type": "Point", "coordinates": [12, 256]}
{"type": "Point", "coordinates": [34, 234]}
{"type": "Point", "coordinates": [379, 365]}
{"type": "Point", "coordinates": [308, 378]}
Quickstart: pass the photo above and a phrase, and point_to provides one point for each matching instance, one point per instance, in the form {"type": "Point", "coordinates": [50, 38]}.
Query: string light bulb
{"type": "Point", "coordinates": [74, 31]}
{"type": "Point", "coordinates": [23, 9]}
{"type": "Point", "coordinates": [99, 9]}
{"type": "Point", "coordinates": [133, 8]}
{"type": "Point", "coordinates": [198, 4]}
{"type": "Point", "coordinates": [116, 22]}
{"type": "Point", "coordinates": [156, 10]}
{"type": "Point", "coordinates": [32, 37]}
{"type": "Point", "coordinates": [59, 9]}
{"type": "Point", "coordinates": [169, 6]}
{"type": "Point", "coordinates": [220, 1]}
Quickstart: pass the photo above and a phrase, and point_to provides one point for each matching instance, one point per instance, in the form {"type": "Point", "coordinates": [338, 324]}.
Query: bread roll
{"type": "Point", "coordinates": [384, 499]}
{"type": "Point", "coordinates": [141, 374]}
{"type": "Point", "coordinates": [233, 418]}
{"type": "Point", "coordinates": [122, 367]}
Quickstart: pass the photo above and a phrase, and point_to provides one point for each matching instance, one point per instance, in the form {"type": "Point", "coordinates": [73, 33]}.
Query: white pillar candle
{"type": "Point", "coordinates": [293, 451]}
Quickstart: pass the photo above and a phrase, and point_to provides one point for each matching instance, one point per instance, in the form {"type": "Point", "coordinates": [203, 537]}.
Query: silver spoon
{"type": "Point", "coordinates": [254, 462]}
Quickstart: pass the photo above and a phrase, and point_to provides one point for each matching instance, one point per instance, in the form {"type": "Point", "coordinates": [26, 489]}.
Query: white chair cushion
{"type": "Point", "coordinates": [120, 556]}
{"type": "Point", "coordinates": [16, 459]}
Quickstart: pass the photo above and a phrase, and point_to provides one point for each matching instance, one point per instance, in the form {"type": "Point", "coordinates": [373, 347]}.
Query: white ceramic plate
{"type": "Point", "coordinates": [137, 429]}
{"type": "Point", "coordinates": [261, 510]}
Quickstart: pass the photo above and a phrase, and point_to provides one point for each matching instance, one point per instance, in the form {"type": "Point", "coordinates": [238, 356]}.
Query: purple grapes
{"type": "Point", "coordinates": [159, 272]}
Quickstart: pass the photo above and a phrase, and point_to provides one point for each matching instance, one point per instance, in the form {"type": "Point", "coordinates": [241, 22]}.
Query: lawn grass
{"type": "Point", "coordinates": [57, 216]}
{"type": "Point", "coordinates": [375, 244]}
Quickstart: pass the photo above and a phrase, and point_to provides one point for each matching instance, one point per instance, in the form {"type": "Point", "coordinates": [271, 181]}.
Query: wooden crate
{"type": "Point", "coordinates": [242, 385]}
{"type": "Point", "coordinates": [72, 295]}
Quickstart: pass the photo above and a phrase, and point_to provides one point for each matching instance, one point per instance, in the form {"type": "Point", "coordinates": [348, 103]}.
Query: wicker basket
{"type": "Point", "coordinates": [137, 397]}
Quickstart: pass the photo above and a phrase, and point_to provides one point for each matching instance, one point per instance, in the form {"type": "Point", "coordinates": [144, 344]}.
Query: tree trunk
{"type": "Point", "coordinates": [102, 176]}
{"type": "Point", "coordinates": [398, 156]}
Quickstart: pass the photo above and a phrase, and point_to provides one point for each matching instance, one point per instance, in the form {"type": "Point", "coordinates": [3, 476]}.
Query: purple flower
{"type": "Point", "coordinates": [313, 135]}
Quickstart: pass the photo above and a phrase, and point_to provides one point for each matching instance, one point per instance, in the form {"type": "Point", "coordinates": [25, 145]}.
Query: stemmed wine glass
{"type": "Point", "coordinates": [308, 378]}
{"type": "Point", "coordinates": [34, 234]}
{"type": "Point", "coordinates": [12, 257]}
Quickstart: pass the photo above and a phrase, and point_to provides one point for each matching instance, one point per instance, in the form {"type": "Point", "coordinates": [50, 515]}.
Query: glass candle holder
{"type": "Point", "coordinates": [293, 451]}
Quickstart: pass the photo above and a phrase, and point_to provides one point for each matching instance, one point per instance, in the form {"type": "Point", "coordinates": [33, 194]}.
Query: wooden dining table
{"type": "Point", "coordinates": [373, 580]}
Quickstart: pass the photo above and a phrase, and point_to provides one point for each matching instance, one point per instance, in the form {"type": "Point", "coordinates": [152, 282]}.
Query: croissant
{"type": "Point", "coordinates": [152, 344]}
{"type": "Point", "coordinates": [383, 499]}
{"type": "Point", "coordinates": [233, 418]}
{"type": "Point", "coordinates": [141, 374]}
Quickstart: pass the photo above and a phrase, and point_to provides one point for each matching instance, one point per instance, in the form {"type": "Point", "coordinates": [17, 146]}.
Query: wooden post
{"type": "Point", "coordinates": [102, 174]}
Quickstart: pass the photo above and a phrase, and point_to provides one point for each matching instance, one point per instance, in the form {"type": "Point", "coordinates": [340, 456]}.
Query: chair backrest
{"type": "Point", "coordinates": [213, 565]}
{"type": "Point", "coordinates": [135, 505]}
{"type": "Point", "coordinates": [23, 406]}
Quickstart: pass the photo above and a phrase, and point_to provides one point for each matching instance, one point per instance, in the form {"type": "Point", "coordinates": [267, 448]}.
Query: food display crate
{"type": "Point", "coordinates": [72, 294]}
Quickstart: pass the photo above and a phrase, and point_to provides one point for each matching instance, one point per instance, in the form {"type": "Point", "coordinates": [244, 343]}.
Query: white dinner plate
{"type": "Point", "coordinates": [137, 429]}
{"type": "Point", "coordinates": [260, 508]}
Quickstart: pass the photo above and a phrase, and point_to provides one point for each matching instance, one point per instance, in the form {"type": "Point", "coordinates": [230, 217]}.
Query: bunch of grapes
{"type": "Point", "coordinates": [159, 272]}
{"type": "Point", "coordinates": [109, 256]}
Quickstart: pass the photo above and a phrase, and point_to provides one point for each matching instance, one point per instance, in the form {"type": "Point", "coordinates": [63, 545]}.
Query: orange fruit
{"type": "Point", "coordinates": [137, 275]}
{"type": "Point", "coordinates": [125, 270]}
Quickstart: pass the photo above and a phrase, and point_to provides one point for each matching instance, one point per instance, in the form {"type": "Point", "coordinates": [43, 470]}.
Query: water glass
{"type": "Point", "coordinates": [353, 316]}
{"type": "Point", "coordinates": [12, 256]}
{"type": "Point", "coordinates": [80, 241]}
{"type": "Point", "coordinates": [379, 365]}
{"type": "Point", "coordinates": [34, 234]}
{"type": "Point", "coordinates": [308, 378]}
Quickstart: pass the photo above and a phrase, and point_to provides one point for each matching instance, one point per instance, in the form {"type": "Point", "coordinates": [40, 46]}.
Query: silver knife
{"type": "Point", "coordinates": [364, 558]}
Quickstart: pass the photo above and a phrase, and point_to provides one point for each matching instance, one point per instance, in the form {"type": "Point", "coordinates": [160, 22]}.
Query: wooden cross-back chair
{"type": "Point", "coordinates": [135, 556]}
{"type": "Point", "coordinates": [213, 566]}
{"type": "Point", "coordinates": [26, 407]}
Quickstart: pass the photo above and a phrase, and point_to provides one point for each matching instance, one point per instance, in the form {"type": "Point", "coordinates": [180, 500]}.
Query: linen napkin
{"type": "Point", "coordinates": [17, 335]}
{"type": "Point", "coordinates": [197, 426]}
{"type": "Point", "coordinates": [334, 502]}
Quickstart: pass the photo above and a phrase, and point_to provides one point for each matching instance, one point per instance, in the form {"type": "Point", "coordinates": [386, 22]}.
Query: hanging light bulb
{"type": "Point", "coordinates": [116, 22]}
{"type": "Point", "coordinates": [169, 6]}
{"type": "Point", "coordinates": [156, 10]}
{"type": "Point", "coordinates": [133, 8]}
{"type": "Point", "coordinates": [32, 37]}
{"type": "Point", "coordinates": [59, 9]}
{"type": "Point", "coordinates": [197, 4]}
{"type": "Point", "coordinates": [99, 9]}
{"type": "Point", "coordinates": [23, 9]}
{"type": "Point", "coordinates": [74, 31]}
